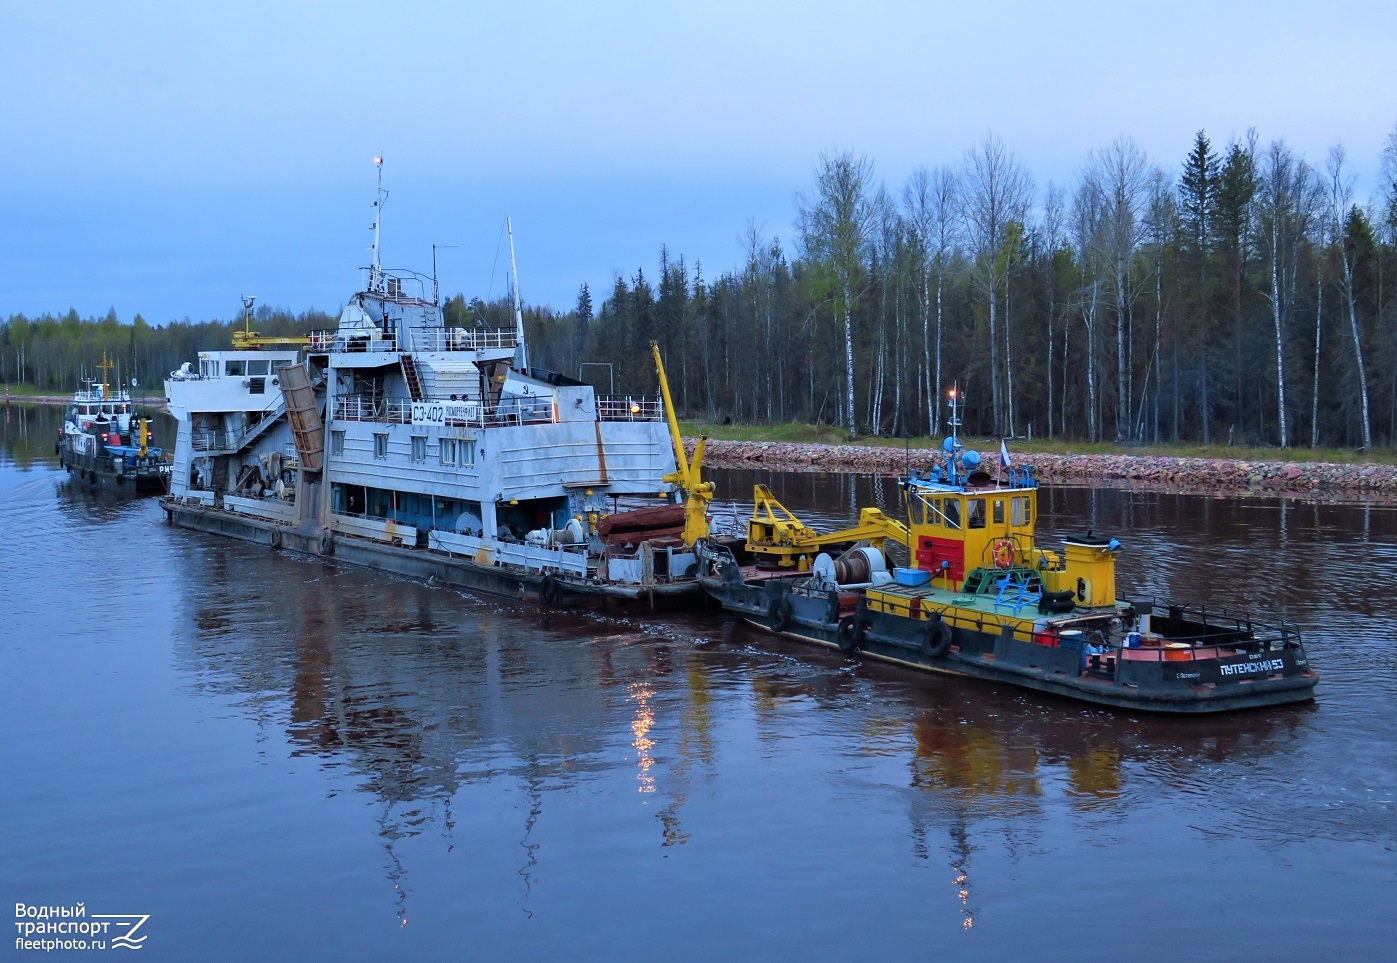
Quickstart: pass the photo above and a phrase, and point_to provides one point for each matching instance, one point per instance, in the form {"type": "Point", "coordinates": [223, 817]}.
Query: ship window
{"type": "Point", "coordinates": [380, 444]}
{"type": "Point", "coordinates": [1023, 513]}
{"type": "Point", "coordinates": [448, 451]}
{"type": "Point", "coordinates": [263, 367]}
{"type": "Point", "coordinates": [419, 447]}
{"type": "Point", "coordinates": [337, 443]}
{"type": "Point", "coordinates": [975, 516]}
{"type": "Point", "coordinates": [468, 453]}
{"type": "Point", "coordinates": [235, 369]}
{"type": "Point", "coordinates": [999, 511]}
{"type": "Point", "coordinates": [953, 513]}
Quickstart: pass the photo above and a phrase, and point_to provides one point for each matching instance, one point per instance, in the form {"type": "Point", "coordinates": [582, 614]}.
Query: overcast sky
{"type": "Point", "coordinates": [165, 158]}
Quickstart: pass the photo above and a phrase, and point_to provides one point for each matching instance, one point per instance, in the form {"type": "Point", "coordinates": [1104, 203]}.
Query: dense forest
{"type": "Point", "coordinates": [1242, 296]}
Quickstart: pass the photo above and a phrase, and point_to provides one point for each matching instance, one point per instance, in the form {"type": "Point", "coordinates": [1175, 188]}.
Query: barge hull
{"type": "Point", "coordinates": [433, 567]}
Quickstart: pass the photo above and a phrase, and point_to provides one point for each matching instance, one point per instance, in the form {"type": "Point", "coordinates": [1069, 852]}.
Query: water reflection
{"type": "Point", "coordinates": [516, 768]}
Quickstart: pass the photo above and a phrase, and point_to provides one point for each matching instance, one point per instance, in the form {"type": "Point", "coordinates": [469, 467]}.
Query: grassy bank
{"type": "Point", "coordinates": [829, 435]}
{"type": "Point", "coordinates": [29, 391]}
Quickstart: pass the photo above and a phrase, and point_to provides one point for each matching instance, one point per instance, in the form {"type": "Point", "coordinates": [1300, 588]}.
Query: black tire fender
{"type": "Point", "coordinates": [850, 635]}
{"type": "Point", "coordinates": [548, 590]}
{"type": "Point", "coordinates": [936, 640]}
{"type": "Point", "coordinates": [327, 542]}
{"type": "Point", "coordinates": [274, 539]}
{"type": "Point", "coordinates": [779, 612]}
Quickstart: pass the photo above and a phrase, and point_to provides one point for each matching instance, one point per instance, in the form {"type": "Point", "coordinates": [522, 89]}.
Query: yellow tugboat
{"type": "Point", "coordinates": [981, 597]}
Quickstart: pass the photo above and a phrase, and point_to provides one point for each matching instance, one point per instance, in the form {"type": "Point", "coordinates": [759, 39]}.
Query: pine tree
{"type": "Point", "coordinates": [1198, 205]}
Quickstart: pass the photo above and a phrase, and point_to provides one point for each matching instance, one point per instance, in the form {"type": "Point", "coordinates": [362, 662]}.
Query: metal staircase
{"type": "Point", "coordinates": [414, 386]}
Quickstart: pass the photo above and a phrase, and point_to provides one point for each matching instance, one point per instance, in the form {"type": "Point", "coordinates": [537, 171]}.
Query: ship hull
{"type": "Point", "coordinates": [91, 473]}
{"type": "Point", "coordinates": [1282, 676]}
{"type": "Point", "coordinates": [436, 568]}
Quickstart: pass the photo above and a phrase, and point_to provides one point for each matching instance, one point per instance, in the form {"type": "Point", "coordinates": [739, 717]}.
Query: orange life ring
{"type": "Point", "coordinates": [1003, 553]}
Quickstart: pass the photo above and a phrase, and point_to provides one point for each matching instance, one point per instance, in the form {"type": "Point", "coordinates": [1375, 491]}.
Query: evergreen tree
{"type": "Point", "coordinates": [1197, 206]}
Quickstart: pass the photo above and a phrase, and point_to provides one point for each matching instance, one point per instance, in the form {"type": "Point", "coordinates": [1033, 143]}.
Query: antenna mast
{"type": "Point", "coordinates": [518, 311]}
{"type": "Point", "coordinates": [379, 199]}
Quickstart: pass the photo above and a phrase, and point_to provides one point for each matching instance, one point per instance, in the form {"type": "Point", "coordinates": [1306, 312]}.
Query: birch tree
{"type": "Point", "coordinates": [1340, 203]}
{"type": "Point", "coordinates": [995, 194]}
{"type": "Point", "coordinates": [1284, 209]}
{"type": "Point", "coordinates": [835, 223]}
{"type": "Point", "coordinates": [1120, 173]}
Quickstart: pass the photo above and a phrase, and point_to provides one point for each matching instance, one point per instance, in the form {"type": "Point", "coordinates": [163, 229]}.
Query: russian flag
{"type": "Point", "coordinates": [1003, 454]}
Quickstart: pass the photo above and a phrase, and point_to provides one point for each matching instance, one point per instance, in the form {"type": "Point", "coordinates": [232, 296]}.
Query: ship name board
{"type": "Point", "coordinates": [439, 412]}
{"type": "Point", "coordinates": [1267, 665]}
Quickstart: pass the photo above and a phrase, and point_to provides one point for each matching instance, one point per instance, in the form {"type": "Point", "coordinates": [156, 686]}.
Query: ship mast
{"type": "Point", "coordinates": [376, 274]}
{"type": "Point", "coordinates": [106, 366]}
{"type": "Point", "coordinates": [518, 311]}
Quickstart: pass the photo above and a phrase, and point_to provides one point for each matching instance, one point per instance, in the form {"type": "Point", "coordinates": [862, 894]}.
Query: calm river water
{"type": "Point", "coordinates": [279, 758]}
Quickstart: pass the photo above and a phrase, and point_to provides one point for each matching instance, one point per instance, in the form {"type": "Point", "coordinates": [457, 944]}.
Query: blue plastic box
{"type": "Point", "coordinates": [911, 576]}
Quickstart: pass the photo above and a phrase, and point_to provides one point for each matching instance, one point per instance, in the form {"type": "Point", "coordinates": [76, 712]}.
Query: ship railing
{"type": "Point", "coordinates": [396, 284]}
{"type": "Point", "coordinates": [348, 342]}
{"type": "Point", "coordinates": [616, 408]}
{"type": "Point", "coordinates": [455, 414]}
{"type": "Point", "coordinates": [392, 411]}
{"type": "Point", "coordinates": [570, 560]}
{"type": "Point", "coordinates": [463, 339]}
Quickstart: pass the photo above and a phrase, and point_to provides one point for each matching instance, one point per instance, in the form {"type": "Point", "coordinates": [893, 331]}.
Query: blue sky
{"type": "Point", "coordinates": [168, 157]}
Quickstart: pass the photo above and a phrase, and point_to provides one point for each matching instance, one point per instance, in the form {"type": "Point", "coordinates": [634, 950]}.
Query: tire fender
{"type": "Point", "coordinates": [274, 539]}
{"type": "Point", "coordinates": [327, 542]}
{"type": "Point", "coordinates": [936, 640]}
{"type": "Point", "coordinates": [850, 636]}
{"type": "Point", "coordinates": [779, 612]}
{"type": "Point", "coordinates": [548, 590]}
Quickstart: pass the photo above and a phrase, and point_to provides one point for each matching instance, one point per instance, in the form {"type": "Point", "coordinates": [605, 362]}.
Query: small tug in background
{"type": "Point", "coordinates": [106, 444]}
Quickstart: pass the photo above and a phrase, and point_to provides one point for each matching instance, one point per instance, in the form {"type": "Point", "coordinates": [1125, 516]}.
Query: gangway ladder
{"type": "Point", "coordinates": [303, 413]}
{"type": "Point", "coordinates": [414, 386]}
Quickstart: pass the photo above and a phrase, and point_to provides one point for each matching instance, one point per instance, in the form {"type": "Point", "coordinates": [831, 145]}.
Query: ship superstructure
{"type": "Point", "coordinates": [398, 441]}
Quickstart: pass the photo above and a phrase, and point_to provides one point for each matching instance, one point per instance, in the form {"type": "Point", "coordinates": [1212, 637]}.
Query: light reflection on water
{"type": "Point", "coordinates": [429, 774]}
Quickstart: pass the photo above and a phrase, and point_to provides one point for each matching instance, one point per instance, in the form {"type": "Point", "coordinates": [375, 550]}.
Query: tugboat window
{"type": "Point", "coordinates": [975, 517]}
{"type": "Point", "coordinates": [468, 453]}
{"type": "Point", "coordinates": [235, 369]}
{"type": "Point", "coordinates": [380, 444]}
{"type": "Point", "coordinates": [448, 451]}
{"type": "Point", "coordinates": [953, 513]}
{"type": "Point", "coordinates": [337, 443]}
{"type": "Point", "coordinates": [419, 447]}
{"type": "Point", "coordinates": [1022, 513]}
{"type": "Point", "coordinates": [259, 367]}
{"type": "Point", "coordinates": [999, 511]}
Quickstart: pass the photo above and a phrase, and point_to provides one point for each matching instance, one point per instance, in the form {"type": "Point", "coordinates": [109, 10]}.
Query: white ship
{"type": "Point", "coordinates": [436, 452]}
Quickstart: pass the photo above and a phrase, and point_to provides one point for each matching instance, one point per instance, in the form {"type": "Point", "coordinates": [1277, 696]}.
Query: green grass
{"type": "Point", "coordinates": [830, 435]}
{"type": "Point", "coordinates": [18, 390]}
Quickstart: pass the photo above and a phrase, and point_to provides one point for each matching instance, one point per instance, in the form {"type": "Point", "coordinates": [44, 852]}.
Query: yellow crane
{"type": "Point", "coordinates": [776, 533]}
{"type": "Point", "coordinates": [688, 474]}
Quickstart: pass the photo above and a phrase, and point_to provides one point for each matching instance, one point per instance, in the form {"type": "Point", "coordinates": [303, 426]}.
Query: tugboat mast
{"type": "Point", "coordinates": [952, 446]}
{"type": "Point", "coordinates": [518, 311]}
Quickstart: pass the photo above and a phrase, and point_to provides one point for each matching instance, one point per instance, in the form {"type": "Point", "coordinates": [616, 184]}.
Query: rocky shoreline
{"type": "Point", "coordinates": [1193, 475]}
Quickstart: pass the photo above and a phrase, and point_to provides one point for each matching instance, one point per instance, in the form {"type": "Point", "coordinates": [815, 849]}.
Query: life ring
{"type": "Point", "coordinates": [274, 539]}
{"type": "Point", "coordinates": [936, 641]}
{"type": "Point", "coordinates": [1004, 553]}
{"type": "Point", "coordinates": [779, 612]}
{"type": "Point", "coordinates": [849, 638]}
{"type": "Point", "coordinates": [327, 542]}
{"type": "Point", "coordinates": [548, 590]}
